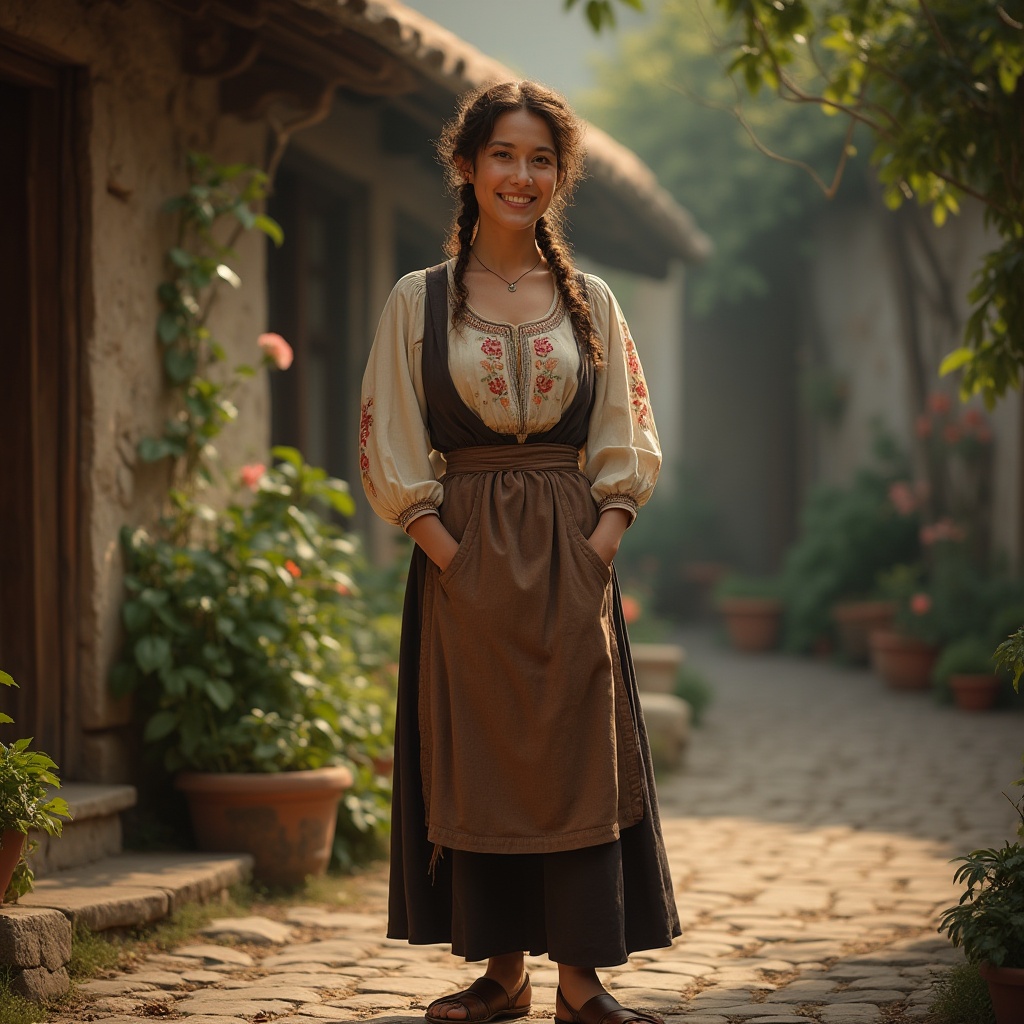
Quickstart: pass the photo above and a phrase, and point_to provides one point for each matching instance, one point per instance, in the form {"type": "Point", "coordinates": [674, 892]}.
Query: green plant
{"type": "Point", "coordinates": [15, 1009]}
{"type": "Point", "coordinates": [27, 780]}
{"type": "Point", "coordinates": [988, 922]}
{"type": "Point", "coordinates": [1010, 655]}
{"type": "Point", "coordinates": [969, 655]}
{"type": "Point", "coordinates": [848, 536]}
{"type": "Point", "coordinates": [249, 644]}
{"type": "Point", "coordinates": [961, 997]}
{"type": "Point", "coordinates": [695, 690]}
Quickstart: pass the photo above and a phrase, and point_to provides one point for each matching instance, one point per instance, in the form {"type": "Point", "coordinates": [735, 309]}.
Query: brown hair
{"type": "Point", "coordinates": [462, 140]}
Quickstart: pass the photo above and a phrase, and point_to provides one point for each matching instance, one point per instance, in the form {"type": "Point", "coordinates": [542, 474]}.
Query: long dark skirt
{"type": "Point", "coordinates": [587, 908]}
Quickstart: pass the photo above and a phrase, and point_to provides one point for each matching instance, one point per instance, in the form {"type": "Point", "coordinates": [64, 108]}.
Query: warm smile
{"type": "Point", "coordinates": [514, 200]}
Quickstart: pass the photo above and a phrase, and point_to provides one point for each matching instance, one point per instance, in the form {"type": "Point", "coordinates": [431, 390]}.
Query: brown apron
{"type": "Point", "coordinates": [527, 740]}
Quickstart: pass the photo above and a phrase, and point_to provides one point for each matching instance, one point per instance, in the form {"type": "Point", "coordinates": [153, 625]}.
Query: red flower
{"type": "Point", "coordinates": [293, 568]}
{"type": "Point", "coordinates": [951, 433]}
{"type": "Point", "coordinates": [276, 349]}
{"type": "Point", "coordinates": [252, 474]}
{"type": "Point", "coordinates": [973, 419]}
{"type": "Point", "coordinates": [940, 403]}
{"type": "Point", "coordinates": [364, 462]}
{"type": "Point", "coordinates": [543, 384]}
{"type": "Point", "coordinates": [923, 426]}
{"type": "Point", "coordinates": [633, 363]}
{"type": "Point", "coordinates": [631, 608]}
{"type": "Point", "coordinates": [920, 604]}
{"type": "Point", "coordinates": [365, 422]}
{"type": "Point", "coordinates": [342, 589]}
{"type": "Point", "coordinates": [640, 388]}
{"type": "Point", "coordinates": [498, 386]}
{"type": "Point", "coordinates": [491, 347]}
{"type": "Point", "coordinates": [542, 346]}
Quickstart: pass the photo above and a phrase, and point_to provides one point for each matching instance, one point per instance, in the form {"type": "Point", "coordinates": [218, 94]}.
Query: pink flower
{"type": "Point", "coordinates": [920, 604]}
{"type": "Point", "coordinates": [342, 589]}
{"type": "Point", "coordinates": [640, 388]}
{"type": "Point", "coordinates": [940, 403]}
{"type": "Point", "coordinates": [902, 497]}
{"type": "Point", "coordinates": [973, 419]}
{"type": "Point", "coordinates": [543, 384]}
{"type": "Point", "coordinates": [276, 349]}
{"type": "Point", "coordinates": [491, 347]}
{"type": "Point", "coordinates": [252, 474]}
{"type": "Point", "coordinates": [923, 426]}
{"type": "Point", "coordinates": [293, 568]}
{"type": "Point", "coordinates": [498, 386]}
{"type": "Point", "coordinates": [630, 608]}
{"type": "Point", "coordinates": [633, 363]}
{"type": "Point", "coordinates": [944, 529]}
{"type": "Point", "coordinates": [542, 347]}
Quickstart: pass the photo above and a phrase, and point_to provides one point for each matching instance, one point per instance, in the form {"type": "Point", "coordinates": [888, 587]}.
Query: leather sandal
{"type": "Point", "coordinates": [484, 1000]}
{"type": "Point", "coordinates": [601, 1009]}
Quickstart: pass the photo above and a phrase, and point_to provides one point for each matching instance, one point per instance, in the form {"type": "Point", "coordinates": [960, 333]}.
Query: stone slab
{"type": "Point", "coordinates": [210, 953]}
{"type": "Point", "coordinates": [40, 985]}
{"type": "Point", "coordinates": [34, 937]}
{"type": "Point", "coordinates": [137, 888]}
{"type": "Point", "coordinates": [255, 929]}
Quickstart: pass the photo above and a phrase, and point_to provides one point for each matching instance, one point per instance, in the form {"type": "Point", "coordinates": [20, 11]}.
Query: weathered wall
{"type": "Point", "coordinates": [139, 118]}
{"type": "Point", "coordinates": [854, 317]}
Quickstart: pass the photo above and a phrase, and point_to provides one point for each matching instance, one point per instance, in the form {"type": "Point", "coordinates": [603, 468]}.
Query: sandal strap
{"type": "Point", "coordinates": [482, 1000]}
{"type": "Point", "coordinates": [606, 1009]}
{"type": "Point", "coordinates": [491, 995]}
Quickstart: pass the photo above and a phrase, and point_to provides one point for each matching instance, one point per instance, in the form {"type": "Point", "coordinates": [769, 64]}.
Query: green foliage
{"type": "Point", "coordinates": [847, 537]}
{"type": "Point", "coordinates": [968, 655]}
{"type": "Point", "coordinates": [961, 997]}
{"type": "Point", "coordinates": [938, 86]}
{"type": "Point", "coordinates": [27, 780]}
{"type": "Point", "coordinates": [15, 1009]}
{"type": "Point", "coordinates": [219, 200]}
{"type": "Point", "coordinates": [695, 690]}
{"type": "Point", "coordinates": [736, 585]}
{"type": "Point", "coordinates": [601, 13]}
{"type": "Point", "coordinates": [244, 647]}
{"type": "Point", "coordinates": [988, 922]}
{"type": "Point", "coordinates": [1010, 655]}
{"type": "Point", "coordinates": [667, 96]}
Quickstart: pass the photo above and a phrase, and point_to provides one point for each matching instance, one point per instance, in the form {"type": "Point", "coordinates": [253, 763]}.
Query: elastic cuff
{"type": "Point", "coordinates": [420, 508]}
{"type": "Point", "coordinates": [623, 501]}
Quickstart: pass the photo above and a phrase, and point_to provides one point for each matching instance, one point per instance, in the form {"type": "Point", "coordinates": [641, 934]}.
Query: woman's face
{"type": "Point", "coordinates": [515, 174]}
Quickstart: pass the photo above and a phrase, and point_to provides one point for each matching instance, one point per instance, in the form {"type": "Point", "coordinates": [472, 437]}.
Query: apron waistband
{"type": "Point", "coordinates": [496, 458]}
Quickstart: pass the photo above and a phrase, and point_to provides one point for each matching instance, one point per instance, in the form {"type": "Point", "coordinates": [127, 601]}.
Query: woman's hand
{"type": "Point", "coordinates": [608, 533]}
{"type": "Point", "coordinates": [438, 544]}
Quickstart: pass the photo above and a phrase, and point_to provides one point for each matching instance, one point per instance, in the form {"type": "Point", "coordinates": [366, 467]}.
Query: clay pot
{"type": "Point", "coordinates": [855, 621]}
{"type": "Point", "coordinates": [753, 623]}
{"type": "Point", "coordinates": [11, 844]}
{"type": "Point", "coordinates": [285, 820]}
{"type": "Point", "coordinates": [1006, 989]}
{"type": "Point", "coordinates": [904, 662]}
{"type": "Point", "coordinates": [657, 666]}
{"type": "Point", "coordinates": [974, 691]}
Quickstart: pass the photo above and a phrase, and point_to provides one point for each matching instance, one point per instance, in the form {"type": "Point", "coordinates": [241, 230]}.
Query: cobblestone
{"type": "Point", "coordinates": [809, 840]}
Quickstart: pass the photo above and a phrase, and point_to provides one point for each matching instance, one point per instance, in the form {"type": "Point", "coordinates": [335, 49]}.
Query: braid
{"type": "Point", "coordinates": [460, 238]}
{"type": "Point", "coordinates": [556, 252]}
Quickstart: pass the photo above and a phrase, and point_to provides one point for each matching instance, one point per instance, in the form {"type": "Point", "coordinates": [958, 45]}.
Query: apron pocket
{"type": "Point", "coordinates": [465, 544]}
{"type": "Point", "coordinates": [603, 570]}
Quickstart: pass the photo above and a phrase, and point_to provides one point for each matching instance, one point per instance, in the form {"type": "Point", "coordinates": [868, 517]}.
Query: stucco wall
{"type": "Point", "coordinates": [139, 118]}
{"type": "Point", "coordinates": [855, 319]}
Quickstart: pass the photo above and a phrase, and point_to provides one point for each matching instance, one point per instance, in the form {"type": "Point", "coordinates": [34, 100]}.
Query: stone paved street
{"type": "Point", "coordinates": [810, 838]}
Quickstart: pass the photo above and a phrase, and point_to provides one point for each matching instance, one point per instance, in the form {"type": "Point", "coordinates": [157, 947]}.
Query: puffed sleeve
{"type": "Point", "coordinates": [623, 452]}
{"type": "Point", "coordinates": [394, 446]}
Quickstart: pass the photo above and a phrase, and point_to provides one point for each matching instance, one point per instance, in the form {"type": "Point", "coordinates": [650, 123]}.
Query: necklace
{"type": "Point", "coordinates": [511, 284]}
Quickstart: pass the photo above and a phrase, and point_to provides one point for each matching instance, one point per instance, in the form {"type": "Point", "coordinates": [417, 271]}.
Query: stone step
{"type": "Point", "coordinates": [124, 891]}
{"type": "Point", "coordinates": [133, 889]}
{"type": "Point", "coordinates": [93, 833]}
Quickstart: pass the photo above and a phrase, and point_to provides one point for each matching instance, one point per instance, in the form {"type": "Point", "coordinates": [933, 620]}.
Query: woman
{"type": "Point", "coordinates": [524, 811]}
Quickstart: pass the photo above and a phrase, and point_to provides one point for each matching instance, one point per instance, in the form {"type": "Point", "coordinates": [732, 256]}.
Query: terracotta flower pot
{"type": "Point", "coordinates": [285, 820]}
{"type": "Point", "coordinates": [974, 691]}
{"type": "Point", "coordinates": [753, 623]}
{"type": "Point", "coordinates": [904, 662]}
{"type": "Point", "coordinates": [657, 666]}
{"type": "Point", "coordinates": [855, 621]}
{"type": "Point", "coordinates": [11, 844]}
{"type": "Point", "coordinates": [1006, 989]}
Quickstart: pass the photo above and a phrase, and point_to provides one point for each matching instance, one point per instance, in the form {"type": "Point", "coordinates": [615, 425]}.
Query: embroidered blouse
{"type": "Point", "coordinates": [518, 379]}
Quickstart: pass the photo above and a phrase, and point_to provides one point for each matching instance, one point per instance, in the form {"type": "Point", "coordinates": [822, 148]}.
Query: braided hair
{"type": "Point", "coordinates": [464, 137]}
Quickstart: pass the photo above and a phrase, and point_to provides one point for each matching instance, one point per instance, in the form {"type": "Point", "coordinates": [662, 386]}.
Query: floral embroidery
{"type": "Point", "coordinates": [493, 367]}
{"type": "Point", "coordinates": [546, 376]}
{"type": "Point", "coordinates": [637, 384]}
{"type": "Point", "coordinates": [365, 423]}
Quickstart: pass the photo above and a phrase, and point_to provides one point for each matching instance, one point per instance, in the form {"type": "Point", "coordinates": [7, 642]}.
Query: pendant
{"type": "Point", "coordinates": [512, 287]}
